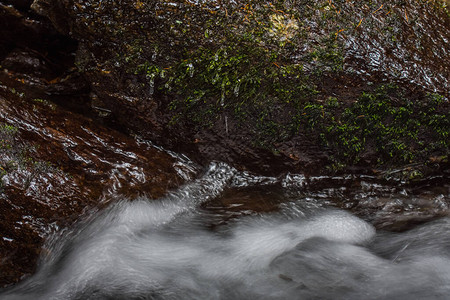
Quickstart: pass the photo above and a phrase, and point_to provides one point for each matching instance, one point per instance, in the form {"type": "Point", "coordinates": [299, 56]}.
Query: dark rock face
{"type": "Point", "coordinates": [22, 5]}
{"type": "Point", "coordinates": [34, 54]}
{"type": "Point", "coordinates": [344, 49]}
{"type": "Point", "coordinates": [140, 64]}
{"type": "Point", "coordinates": [406, 43]}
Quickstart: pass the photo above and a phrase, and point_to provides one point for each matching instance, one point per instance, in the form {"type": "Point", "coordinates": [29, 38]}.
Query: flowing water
{"type": "Point", "coordinates": [227, 234]}
{"type": "Point", "coordinates": [206, 240]}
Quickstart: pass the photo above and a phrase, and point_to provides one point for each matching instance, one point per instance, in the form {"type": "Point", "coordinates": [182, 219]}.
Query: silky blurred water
{"type": "Point", "coordinates": [206, 241]}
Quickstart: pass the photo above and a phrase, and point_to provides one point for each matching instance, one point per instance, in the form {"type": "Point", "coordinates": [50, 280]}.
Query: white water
{"type": "Point", "coordinates": [164, 249]}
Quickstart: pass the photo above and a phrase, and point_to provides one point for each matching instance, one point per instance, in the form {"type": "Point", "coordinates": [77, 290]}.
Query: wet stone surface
{"type": "Point", "coordinates": [57, 166]}
{"type": "Point", "coordinates": [389, 207]}
{"type": "Point", "coordinates": [343, 48]}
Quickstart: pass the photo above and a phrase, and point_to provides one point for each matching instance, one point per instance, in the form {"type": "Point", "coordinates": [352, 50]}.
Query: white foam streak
{"type": "Point", "coordinates": [163, 250]}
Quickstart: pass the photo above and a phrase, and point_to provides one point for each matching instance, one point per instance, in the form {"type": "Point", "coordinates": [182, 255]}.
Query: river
{"type": "Point", "coordinates": [233, 235]}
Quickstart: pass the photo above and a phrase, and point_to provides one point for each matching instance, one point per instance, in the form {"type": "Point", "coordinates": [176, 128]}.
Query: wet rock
{"type": "Point", "coordinates": [30, 32]}
{"type": "Point", "coordinates": [56, 166]}
{"type": "Point", "coordinates": [26, 63]}
{"type": "Point", "coordinates": [404, 42]}
{"type": "Point", "coordinates": [133, 66]}
{"type": "Point", "coordinates": [346, 50]}
{"type": "Point", "coordinates": [54, 11]}
{"type": "Point", "coordinates": [22, 5]}
{"type": "Point", "coordinates": [38, 61]}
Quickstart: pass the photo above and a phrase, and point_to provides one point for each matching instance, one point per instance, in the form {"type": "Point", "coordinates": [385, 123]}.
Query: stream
{"type": "Point", "coordinates": [234, 235]}
{"type": "Point", "coordinates": [91, 209]}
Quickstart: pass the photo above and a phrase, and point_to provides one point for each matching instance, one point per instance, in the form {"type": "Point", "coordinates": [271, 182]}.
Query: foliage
{"type": "Point", "coordinates": [240, 80]}
{"type": "Point", "coordinates": [265, 66]}
{"type": "Point", "coordinates": [244, 66]}
{"type": "Point", "coordinates": [7, 136]}
{"type": "Point", "coordinates": [16, 155]}
{"type": "Point", "coordinates": [400, 130]}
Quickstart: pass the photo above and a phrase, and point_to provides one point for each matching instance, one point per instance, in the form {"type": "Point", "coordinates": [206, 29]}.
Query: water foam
{"type": "Point", "coordinates": [164, 250]}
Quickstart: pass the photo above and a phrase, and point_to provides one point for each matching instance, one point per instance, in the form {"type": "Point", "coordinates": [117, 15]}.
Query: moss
{"type": "Point", "coordinates": [399, 130]}
{"type": "Point", "coordinates": [7, 135]}
{"type": "Point", "coordinates": [243, 56]}
{"type": "Point", "coordinates": [7, 145]}
{"type": "Point", "coordinates": [236, 79]}
{"type": "Point", "coordinates": [16, 156]}
{"type": "Point", "coordinates": [265, 68]}
{"type": "Point", "coordinates": [45, 102]}
{"type": "Point", "coordinates": [245, 73]}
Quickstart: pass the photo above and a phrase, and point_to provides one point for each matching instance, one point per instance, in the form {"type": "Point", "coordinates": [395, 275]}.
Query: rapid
{"type": "Point", "coordinates": [203, 241]}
